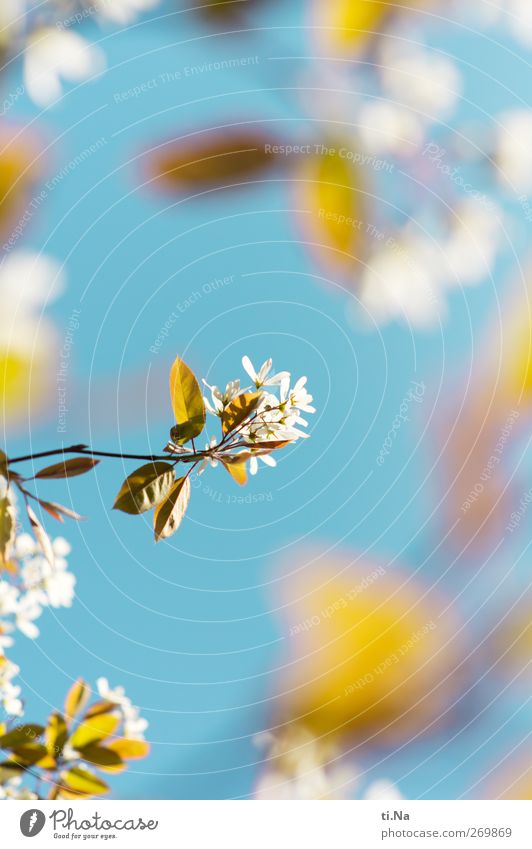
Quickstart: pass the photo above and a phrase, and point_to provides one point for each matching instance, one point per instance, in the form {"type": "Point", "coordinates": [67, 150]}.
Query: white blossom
{"type": "Point", "coordinates": [9, 693]}
{"type": "Point", "coordinates": [52, 55]}
{"type": "Point", "coordinates": [513, 150]}
{"type": "Point", "coordinates": [123, 11]}
{"type": "Point", "coordinates": [262, 377]}
{"type": "Point", "coordinates": [134, 724]}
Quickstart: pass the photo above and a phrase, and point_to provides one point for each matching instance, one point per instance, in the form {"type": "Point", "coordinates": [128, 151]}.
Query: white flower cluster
{"type": "Point", "coordinates": [134, 724]}
{"type": "Point", "coordinates": [275, 417]}
{"type": "Point", "coordinates": [40, 585]}
{"type": "Point", "coordinates": [9, 692]}
{"type": "Point", "coordinates": [52, 51]}
{"type": "Point", "coordinates": [33, 584]}
{"type": "Point", "coordinates": [300, 766]}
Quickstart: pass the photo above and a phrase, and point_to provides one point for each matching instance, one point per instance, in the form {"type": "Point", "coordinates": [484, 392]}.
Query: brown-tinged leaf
{"type": "Point", "coordinates": [237, 469]}
{"type": "Point", "coordinates": [77, 697]}
{"type": "Point", "coordinates": [7, 529]}
{"type": "Point", "coordinates": [58, 511]}
{"type": "Point", "coordinates": [145, 488]}
{"type": "Point", "coordinates": [212, 160]}
{"type": "Point", "coordinates": [41, 536]}
{"type": "Point", "coordinates": [68, 468]}
{"type": "Point", "coordinates": [93, 730]}
{"type": "Point", "coordinates": [21, 735]}
{"type": "Point", "coordinates": [169, 514]}
{"type": "Point", "coordinates": [56, 734]}
{"type": "Point", "coordinates": [187, 400]}
{"type": "Point", "coordinates": [81, 782]}
{"type": "Point", "coordinates": [3, 464]}
{"type": "Point", "coordinates": [102, 756]}
{"type": "Point", "coordinates": [267, 447]}
{"type": "Point", "coordinates": [129, 749]}
{"type": "Point", "coordinates": [239, 410]}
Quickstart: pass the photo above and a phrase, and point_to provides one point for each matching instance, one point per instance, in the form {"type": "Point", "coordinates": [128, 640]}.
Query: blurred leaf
{"type": "Point", "coordinates": [18, 172]}
{"type": "Point", "coordinates": [169, 514]}
{"type": "Point", "coordinates": [77, 697]}
{"type": "Point", "coordinates": [238, 410]}
{"type": "Point", "coordinates": [21, 734]}
{"type": "Point", "coordinates": [56, 733]}
{"type": "Point", "coordinates": [81, 782]}
{"type": "Point", "coordinates": [3, 464]}
{"type": "Point", "coordinates": [130, 749]}
{"type": "Point", "coordinates": [68, 468]}
{"type": "Point", "coordinates": [9, 770]}
{"type": "Point", "coordinates": [7, 528]}
{"type": "Point", "coordinates": [230, 9]}
{"type": "Point", "coordinates": [145, 488]}
{"type": "Point", "coordinates": [41, 536]}
{"type": "Point", "coordinates": [187, 400]}
{"type": "Point", "coordinates": [103, 757]}
{"type": "Point", "coordinates": [333, 194]}
{"type": "Point", "coordinates": [94, 729]}
{"type": "Point", "coordinates": [237, 469]}
{"type": "Point", "coordinates": [347, 26]}
{"type": "Point", "coordinates": [30, 754]}
{"type": "Point", "coordinates": [101, 706]}
{"type": "Point", "coordinates": [212, 160]}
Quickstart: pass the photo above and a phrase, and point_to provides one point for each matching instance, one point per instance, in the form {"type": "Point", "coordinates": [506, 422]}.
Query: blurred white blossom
{"type": "Point", "coordinates": [513, 149]}
{"type": "Point", "coordinates": [134, 724]}
{"type": "Point", "coordinates": [298, 765]}
{"type": "Point", "coordinates": [54, 55]}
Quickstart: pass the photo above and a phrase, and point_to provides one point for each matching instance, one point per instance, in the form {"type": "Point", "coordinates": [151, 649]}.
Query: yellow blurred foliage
{"type": "Point", "coordinates": [348, 25]}
{"type": "Point", "coordinates": [332, 191]}
{"type": "Point", "coordinates": [372, 657]}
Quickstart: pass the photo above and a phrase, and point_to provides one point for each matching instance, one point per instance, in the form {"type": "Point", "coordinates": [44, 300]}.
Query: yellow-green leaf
{"type": "Point", "coordinates": [145, 488]}
{"type": "Point", "coordinates": [82, 783]}
{"type": "Point", "coordinates": [94, 729]}
{"type": "Point", "coordinates": [31, 754]}
{"type": "Point", "coordinates": [187, 400]}
{"type": "Point", "coordinates": [169, 514]}
{"type": "Point", "coordinates": [101, 706]}
{"type": "Point", "coordinates": [77, 697]}
{"type": "Point", "coordinates": [20, 736]}
{"type": "Point", "coordinates": [56, 734]}
{"type": "Point", "coordinates": [103, 757]}
{"type": "Point", "coordinates": [239, 410]}
{"type": "Point", "coordinates": [68, 468]}
{"type": "Point", "coordinates": [237, 469]}
{"type": "Point", "coordinates": [7, 528]}
{"type": "Point", "coordinates": [129, 749]}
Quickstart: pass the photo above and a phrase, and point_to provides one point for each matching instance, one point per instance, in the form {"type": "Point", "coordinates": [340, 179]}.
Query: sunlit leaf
{"type": "Point", "coordinates": [20, 735]}
{"type": "Point", "coordinates": [81, 782]}
{"type": "Point", "coordinates": [19, 169]}
{"type": "Point", "coordinates": [212, 160]}
{"type": "Point", "coordinates": [41, 536]}
{"type": "Point", "coordinates": [169, 514]}
{"type": "Point", "coordinates": [332, 192]}
{"type": "Point", "coordinates": [68, 468]}
{"type": "Point", "coordinates": [129, 749]}
{"type": "Point", "coordinates": [94, 729]}
{"type": "Point", "coordinates": [102, 756]}
{"type": "Point", "coordinates": [7, 528]}
{"type": "Point", "coordinates": [187, 400]}
{"type": "Point", "coordinates": [237, 469]}
{"type": "Point", "coordinates": [145, 488]}
{"type": "Point", "coordinates": [239, 410]}
{"type": "Point", "coordinates": [101, 706]}
{"type": "Point", "coordinates": [56, 734]}
{"type": "Point", "coordinates": [77, 697]}
{"type": "Point", "coordinates": [58, 511]}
